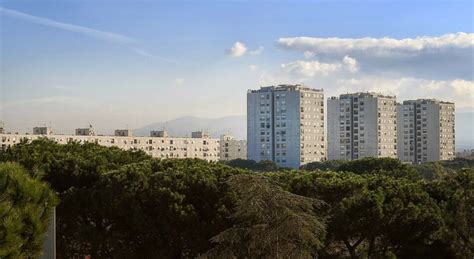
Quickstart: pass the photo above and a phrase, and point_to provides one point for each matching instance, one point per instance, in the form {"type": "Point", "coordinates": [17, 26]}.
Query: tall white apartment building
{"type": "Point", "coordinates": [231, 148]}
{"type": "Point", "coordinates": [425, 131]}
{"type": "Point", "coordinates": [285, 124]}
{"type": "Point", "coordinates": [362, 125]}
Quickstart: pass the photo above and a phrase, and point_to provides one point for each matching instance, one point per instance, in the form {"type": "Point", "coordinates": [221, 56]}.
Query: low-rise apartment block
{"type": "Point", "coordinates": [362, 125]}
{"type": "Point", "coordinates": [161, 147]}
{"type": "Point", "coordinates": [425, 131]}
{"type": "Point", "coordinates": [231, 148]}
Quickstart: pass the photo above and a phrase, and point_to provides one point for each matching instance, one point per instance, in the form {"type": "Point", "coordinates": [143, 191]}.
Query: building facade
{"type": "Point", "coordinates": [160, 147]}
{"type": "Point", "coordinates": [285, 124]}
{"type": "Point", "coordinates": [425, 131]}
{"type": "Point", "coordinates": [362, 125]}
{"type": "Point", "coordinates": [85, 131]}
{"type": "Point", "coordinates": [231, 148]}
{"type": "Point", "coordinates": [123, 132]}
{"type": "Point", "coordinates": [42, 131]}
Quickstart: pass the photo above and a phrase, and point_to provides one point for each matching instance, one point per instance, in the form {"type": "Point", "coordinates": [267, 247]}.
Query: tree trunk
{"type": "Point", "coordinates": [350, 248]}
{"type": "Point", "coordinates": [371, 247]}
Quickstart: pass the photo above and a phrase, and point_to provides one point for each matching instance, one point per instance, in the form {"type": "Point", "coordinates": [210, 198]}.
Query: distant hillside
{"type": "Point", "coordinates": [234, 125]}
{"type": "Point", "coordinates": [237, 126]}
{"type": "Point", "coordinates": [464, 130]}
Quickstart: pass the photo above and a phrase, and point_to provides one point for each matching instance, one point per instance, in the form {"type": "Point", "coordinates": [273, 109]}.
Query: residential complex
{"type": "Point", "coordinates": [285, 124]}
{"type": "Point", "coordinates": [362, 125]}
{"type": "Point", "coordinates": [425, 131]}
{"type": "Point", "coordinates": [231, 149]}
{"type": "Point", "coordinates": [200, 146]}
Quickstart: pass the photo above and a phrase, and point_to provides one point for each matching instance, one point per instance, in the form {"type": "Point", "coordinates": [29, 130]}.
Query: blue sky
{"type": "Point", "coordinates": [117, 63]}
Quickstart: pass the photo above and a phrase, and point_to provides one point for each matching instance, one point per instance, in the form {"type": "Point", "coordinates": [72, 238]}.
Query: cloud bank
{"type": "Point", "coordinates": [379, 46]}
{"type": "Point", "coordinates": [445, 57]}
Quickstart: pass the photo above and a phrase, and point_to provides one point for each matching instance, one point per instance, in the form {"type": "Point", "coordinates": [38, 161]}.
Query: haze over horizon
{"type": "Point", "coordinates": [122, 64]}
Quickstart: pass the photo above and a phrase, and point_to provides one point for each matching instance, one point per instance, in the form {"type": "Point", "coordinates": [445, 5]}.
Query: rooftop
{"type": "Point", "coordinates": [284, 87]}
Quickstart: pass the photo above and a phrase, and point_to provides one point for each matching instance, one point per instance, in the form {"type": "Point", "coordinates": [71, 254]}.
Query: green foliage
{"type": "Point", "coordinates": [455, 194]}
{"type": "Point", "coordinates": [326, 165]}
{"type": "Point", "coordinates": [125, 204]}
{"type": "Point", "coordinates": [122, 204]}
{"type": "Point", "coordinates": [389, 166]}
{"type": "Point", "coordinates": [261, 166]}
{"type": "Point", "coordinates": [370, 214]}
{"type": "Point", "coordinates": [25, 208]}
{"type": "Point", "coordinates": [269, 223]}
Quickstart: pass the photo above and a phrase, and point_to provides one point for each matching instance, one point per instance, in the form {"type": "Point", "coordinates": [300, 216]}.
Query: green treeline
{"type": "Point", "coordinates": [125, 204]}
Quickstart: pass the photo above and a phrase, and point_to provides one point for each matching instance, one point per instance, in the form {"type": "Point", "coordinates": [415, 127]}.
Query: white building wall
{"type": "Point", "coordinates": [335, 135]}
{"type": "Point", "coordinates": [168, 147]}
{"type": "Point", "coordinates": [426, 131]}
{"type": "Point", "coordinates": [285, 124]}
{"type": "Point", "coordinates": [361, 125]}
{"type": "Point", "coordinates": [231, 149]}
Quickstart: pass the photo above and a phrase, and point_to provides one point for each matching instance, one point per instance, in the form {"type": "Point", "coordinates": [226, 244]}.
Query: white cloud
{"type": "Point", "coordinates": [146, 54]}
{"type": "Point", "coordinates": [256, 51]}
{"type": "Point", "coordinates": [446, 57]}
{"type": "Point", "coordinates": [378, 45]}
{"type": "Point", "coordinates": [309, 54]}
{"type": "Point", "coordinates": [350, 64]}
{"type": "Point", "coordinates": [464, 88]}
{"type": "Point", "coordinates": [103, 35]}
{"type": "Point", "coordinates": [459, 91]}
{"type": "Point", "coordinates": [238, 49]}
{"type": "Point", "coordinates": [116, 38]}
{"type": "Point", "coordinates": [314, 68]}
{"type": "Point", "coordinates": [253, 67]}
{"type": "Point", "coordinates": [310, 68]}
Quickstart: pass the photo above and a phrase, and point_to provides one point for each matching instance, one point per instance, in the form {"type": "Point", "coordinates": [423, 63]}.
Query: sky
{"type": "Point", "coordinates": [117, 64]}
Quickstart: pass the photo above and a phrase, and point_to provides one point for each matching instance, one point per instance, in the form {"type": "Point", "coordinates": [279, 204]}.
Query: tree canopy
{"type": "Point", "coordinates": [269, 222]}
{"type": "Point", "coordinates": [126, 204]}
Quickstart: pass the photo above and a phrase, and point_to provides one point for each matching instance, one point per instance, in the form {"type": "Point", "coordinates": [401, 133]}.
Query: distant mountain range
{"type": "Point", "coordinates": [233, 125]}
{"type": "Point", "coordinates": [237, 126]}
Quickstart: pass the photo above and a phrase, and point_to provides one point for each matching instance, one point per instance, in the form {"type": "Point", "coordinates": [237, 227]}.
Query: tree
{"type": "Point", "coordinates": [454, 193]}
{"type": "Point", "coordinates": [370, 214]}
{"type": "Point", "coordinates": [261, 166]}
{"type": "Point", "coordinates": [269, 223]}
{"type": "Point", "coordinates": [326, 165]}
{"type": "Point", "coordinates": [370, 165]}
{"type": "Point", "coordinates": [25, 208]}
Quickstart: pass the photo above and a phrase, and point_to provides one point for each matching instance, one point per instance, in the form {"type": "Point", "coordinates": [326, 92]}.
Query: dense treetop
{"type": "Point", "coordinates": [125, 204]}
